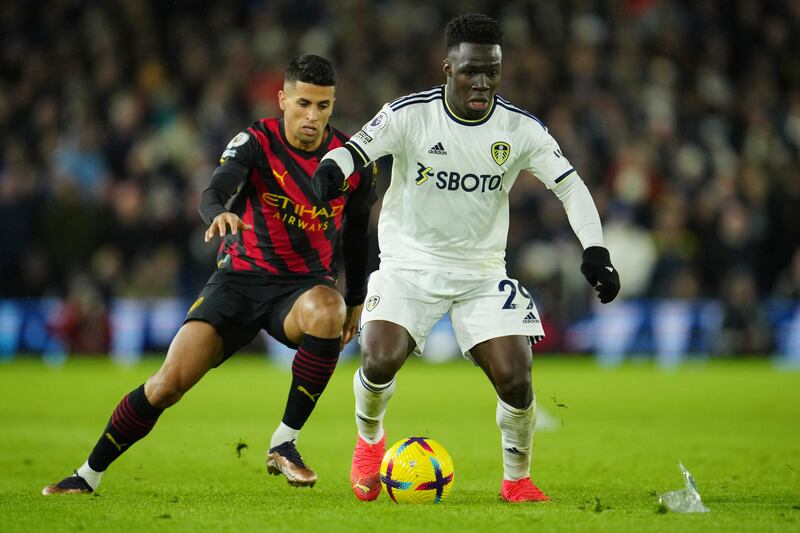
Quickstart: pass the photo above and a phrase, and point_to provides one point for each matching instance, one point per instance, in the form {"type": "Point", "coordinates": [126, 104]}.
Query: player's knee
{"type": "Point", "coordinates": [380, 366]}
{"type": "Point", "coordinates": [164, 390]}
{"type": "Point", "coordinates": [324, 312]}
{"type": "Point", "coordinates": [515, 389]}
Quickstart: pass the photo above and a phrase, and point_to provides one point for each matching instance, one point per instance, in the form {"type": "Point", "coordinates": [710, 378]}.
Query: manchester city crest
{"type": "Point", "coordinates": [500, 152]}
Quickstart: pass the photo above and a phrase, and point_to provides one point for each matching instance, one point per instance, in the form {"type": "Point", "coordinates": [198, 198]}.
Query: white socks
{"type": "Point", "coordinates": [92, 477]}
{"type": "Point", "coordinates": [371, 401]}
{"type": "Point", "coordinates": [283, 434]}
{"type": "Point", "coordinates": [516, 429]}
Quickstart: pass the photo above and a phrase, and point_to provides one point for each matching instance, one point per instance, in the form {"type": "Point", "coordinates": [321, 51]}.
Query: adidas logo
{"type": "Point", "coordinates": [530, 318]}
{"type": "Point", "coordinates": [437, 149]}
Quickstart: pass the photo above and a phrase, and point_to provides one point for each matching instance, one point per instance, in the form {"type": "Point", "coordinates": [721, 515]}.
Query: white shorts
{"type": "Point", "coordinates": [481, 306]}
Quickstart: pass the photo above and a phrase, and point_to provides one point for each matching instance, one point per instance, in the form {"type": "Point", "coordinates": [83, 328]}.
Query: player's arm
{"type": "Point", "coordinates": [585, 222]}
{"type": "Point", "coordinates": [235, 165]}
{"type": "Point", "coordinates": [331, 171]}
{"type": "Point", "coordinates": [378, 137]}
{"type": "Point", "coordinates": [355, 248]}
{"type": "Point", "coordinates": [553, 169]}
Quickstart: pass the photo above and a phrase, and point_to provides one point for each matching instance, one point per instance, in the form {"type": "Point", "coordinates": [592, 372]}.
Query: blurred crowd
{"type": "Point", "coordinates": [683, 118]}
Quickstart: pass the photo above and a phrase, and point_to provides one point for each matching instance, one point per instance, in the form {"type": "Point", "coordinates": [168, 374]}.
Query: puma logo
{"type": "Point", "coordinates": [280, 177]}
{"type": "Point", "coordinates": [363, 488]}
{"type": "Point", "coordinates": [305, 391]}
{"type": "Point", "coordinates": [111, 438]}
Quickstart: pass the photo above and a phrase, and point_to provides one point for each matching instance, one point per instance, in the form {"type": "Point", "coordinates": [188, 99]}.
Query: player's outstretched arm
{"type": "Point", "coordinates": [585, 221]}
{"type": "Point", "coordinates": [236, 162]}
{"type": "Point", "coordinates": [332, 171]}
{"type": "Point", "coordinates": [212, 205]}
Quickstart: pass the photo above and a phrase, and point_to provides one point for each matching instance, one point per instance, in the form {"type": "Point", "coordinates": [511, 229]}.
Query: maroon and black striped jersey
{"type": "Point", "coordinates": [291, 233]}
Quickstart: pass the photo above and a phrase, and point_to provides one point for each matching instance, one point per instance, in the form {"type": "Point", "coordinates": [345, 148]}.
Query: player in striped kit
{"type": "Point", "coordinates": [275, 272]}
{"type": "Point", "coordinates": [458, 149]}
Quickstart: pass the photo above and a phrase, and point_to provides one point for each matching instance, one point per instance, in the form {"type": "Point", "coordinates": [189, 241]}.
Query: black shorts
{"type": "Point", "coordinates": [240, 304]}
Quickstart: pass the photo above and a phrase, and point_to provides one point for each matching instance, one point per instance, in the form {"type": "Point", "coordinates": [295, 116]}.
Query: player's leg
{"type": "Point", "coordinates": [401, 308]}
{"type": "Point", "coordinates": [507, 363]}
{"type": "Point", "coordinates": [314, 322]}
{"type": "Point", "coordinates": [196, 348]}
{"type": "Point", "coordinates": [385, 346]}
{"type": "Point", "coordinates": [494, 320]}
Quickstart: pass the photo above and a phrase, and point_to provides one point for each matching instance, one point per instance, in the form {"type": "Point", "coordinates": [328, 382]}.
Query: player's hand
{"type": "Point", "coordinates": [600, 273]}
{"type": "Point", "coordinates": [328, 180]}
{"type": "Point", "coordinates": [221, 223]}
{"type": "Point", "coordinates": [351, 320]}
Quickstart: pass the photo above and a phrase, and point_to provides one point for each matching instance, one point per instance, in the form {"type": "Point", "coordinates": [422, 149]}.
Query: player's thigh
{"type": "Point", "coordinates": [492, 308]}
{"type": "Point", "coordinates": [234, 307]}
{"type": "Point", "coordinates": [506, 361]}
{"type": "Point", "coordinates": [413, 300]}
{"type": "Point", "coordinates": [383, 339]}
{"type": "Point", "coordinates": [196, 349]}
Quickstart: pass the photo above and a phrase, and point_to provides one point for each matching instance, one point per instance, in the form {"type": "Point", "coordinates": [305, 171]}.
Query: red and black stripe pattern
{"type": "Point", "coordinates": [292, 232]}
{"type": "Point", "coordinates": [312, 368]}
{"type": "Point", "coordinates": [131, 421]}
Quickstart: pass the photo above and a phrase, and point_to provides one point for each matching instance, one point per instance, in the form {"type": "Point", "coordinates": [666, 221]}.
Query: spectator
{"type": "Point", "coordinates": [686, 115]}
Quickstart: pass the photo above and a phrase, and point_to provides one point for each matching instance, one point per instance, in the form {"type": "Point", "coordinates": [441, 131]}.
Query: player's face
{"type": "Point", "coordinates": [473, 75]}
{"type": "Point", "coordinates": [306, 110]}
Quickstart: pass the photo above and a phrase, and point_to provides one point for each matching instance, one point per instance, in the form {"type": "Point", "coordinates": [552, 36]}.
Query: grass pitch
{"type": "Point", "coordinates": [618, 437]}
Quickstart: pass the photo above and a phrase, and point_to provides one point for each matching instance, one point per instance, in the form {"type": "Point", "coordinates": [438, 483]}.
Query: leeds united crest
{"type": "Point", "coordinates": [372, 302]}
{"type": "Point", "coordinates": [500, 152]}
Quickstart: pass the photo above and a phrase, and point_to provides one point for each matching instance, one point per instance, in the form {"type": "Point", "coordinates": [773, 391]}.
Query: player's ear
{"type": "Point", "coordinates": [446, 68]}
{"type": "Point", "coordinates": [282, 100]}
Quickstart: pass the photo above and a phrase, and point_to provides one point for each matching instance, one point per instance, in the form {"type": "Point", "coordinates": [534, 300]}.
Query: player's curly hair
{"type": "Point", "coordinates": [310, 68]}
{"type": "Point", "coordinates": [473, 28]}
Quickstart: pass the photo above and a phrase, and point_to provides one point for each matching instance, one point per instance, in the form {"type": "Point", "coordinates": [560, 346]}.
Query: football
{"type": "Point", "coordinates": [417, 470]}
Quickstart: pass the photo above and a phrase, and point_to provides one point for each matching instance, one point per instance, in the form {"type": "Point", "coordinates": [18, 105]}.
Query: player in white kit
{"type": "Point", "coordinates": [458, 149]}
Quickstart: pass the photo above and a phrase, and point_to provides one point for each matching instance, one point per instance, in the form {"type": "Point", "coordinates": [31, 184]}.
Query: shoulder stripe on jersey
{"type": "Point", "coordinates": [511, 107]}
{"type": "Point", "coordinates": [410, 102]}
{"type": "Point", "coordinates": [564, 175]}
{"type": "Point", "coordinates": [360, 151]}
{"type": "Point", "coordinates": [420, 94]}
{"type": "Point", "coordinates": [415, 95]}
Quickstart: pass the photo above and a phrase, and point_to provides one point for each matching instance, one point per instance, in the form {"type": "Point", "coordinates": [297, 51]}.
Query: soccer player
{"type": "Point", "coordinates": [275, 272]}
{"type": "Point", "coordinates": [458, 149]}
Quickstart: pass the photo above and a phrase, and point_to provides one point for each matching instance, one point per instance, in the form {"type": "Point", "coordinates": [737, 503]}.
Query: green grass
{"type": "Point", "coordinates": [620, 434]}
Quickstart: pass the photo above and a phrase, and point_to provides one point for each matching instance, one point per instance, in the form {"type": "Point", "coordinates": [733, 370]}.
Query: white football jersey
{"type": "Point", "coordinates": [447, 205]}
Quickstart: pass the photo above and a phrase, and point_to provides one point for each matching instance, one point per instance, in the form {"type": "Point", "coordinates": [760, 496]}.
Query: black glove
{"type": "Point", "coordinates": [600, 273]}
{"type": "Point", "coordinates": [328, 180]}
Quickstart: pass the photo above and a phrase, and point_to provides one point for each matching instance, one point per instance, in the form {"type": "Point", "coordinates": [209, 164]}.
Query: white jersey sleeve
{"type": "Point", "coordinates": [547, 163]}
{"type": "Point", "coordinates": [380, 136]}
{"type": "Point", "coordinates": [545, 160]}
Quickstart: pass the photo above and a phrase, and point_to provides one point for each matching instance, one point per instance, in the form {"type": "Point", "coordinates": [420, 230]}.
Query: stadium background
{"type": "Point", "coordinates": [682, 117]}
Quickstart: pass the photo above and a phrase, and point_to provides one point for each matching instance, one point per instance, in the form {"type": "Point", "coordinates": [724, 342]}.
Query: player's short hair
{"type": "Point", "coordinates": [473, 28]}
{"type": "Point", "coordinates": [310, 68]}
